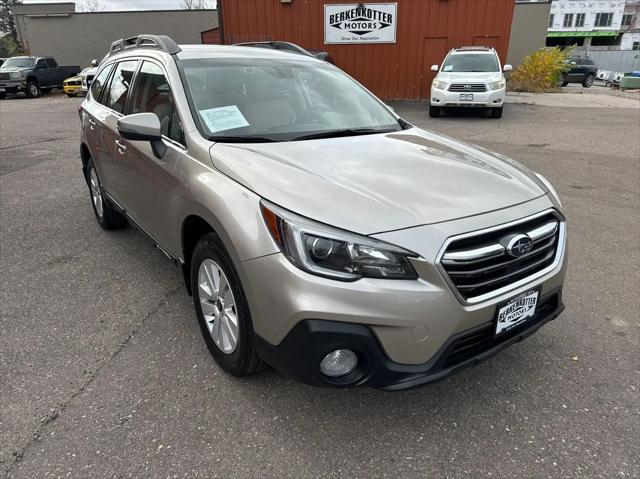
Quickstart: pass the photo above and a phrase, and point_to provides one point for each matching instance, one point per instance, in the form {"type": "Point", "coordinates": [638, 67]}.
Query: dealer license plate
{"type": "Point", "coordinates": [466, 96]}
{"type": "Point", "coordinates": [516, 311]}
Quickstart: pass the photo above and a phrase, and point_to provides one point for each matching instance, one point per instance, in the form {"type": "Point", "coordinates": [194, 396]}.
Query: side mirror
{"type": "Point", "coordinates": [507, 68]}
{"type": "Point", "coordinates": [573, 63]}
{"type": "Point", "coordinates": [143, 127]}
{"type": "Point", "coordinates": [434, 68]}
{"type": "Point", "coordinates": [94, 63]}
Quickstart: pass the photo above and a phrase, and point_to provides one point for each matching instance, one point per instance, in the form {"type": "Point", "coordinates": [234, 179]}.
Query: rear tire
{"type": "Point", "coordinates": [33, 90]}
{"type": "Point", "coordinates": [496, 112]}
{"type": "Point", "coordinates": [434, 111]}
{"type": "Point", "coordinates": [107, 217]}
{"type": "Point", "coordinates": [588, 81]}
{"type": "Point", "coordinates": [227, 310]}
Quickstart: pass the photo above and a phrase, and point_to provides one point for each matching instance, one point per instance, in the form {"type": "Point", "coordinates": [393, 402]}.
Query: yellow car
{"type": "Point", "coordinates": [72, 86]}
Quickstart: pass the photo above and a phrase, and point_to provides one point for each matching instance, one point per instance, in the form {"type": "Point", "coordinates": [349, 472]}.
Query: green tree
{"type": "Point", "coordinates": [9, 45]}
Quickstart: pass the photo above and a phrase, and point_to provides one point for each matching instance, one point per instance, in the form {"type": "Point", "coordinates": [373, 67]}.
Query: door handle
{"type": "Point", "coordinates": [92, 123]}
{"type": "Point", "coordinates": [122, 148]}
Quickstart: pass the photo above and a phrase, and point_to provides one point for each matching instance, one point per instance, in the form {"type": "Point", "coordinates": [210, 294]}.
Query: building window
{"type": "Point", "coordinates": [568, 20]}
{"type": "Point", "coordinates": [603, 19]}
{"type": "Point", "coordinates": [636, 46]}
{"type": "Point", "coordinates": [579, 20]}
{"type": "Point", "coordinates": [551, 20]}
{"type": "Point", "coordinates": [626, 20]}
{"type": "Point", "coordinates": [606, 41]}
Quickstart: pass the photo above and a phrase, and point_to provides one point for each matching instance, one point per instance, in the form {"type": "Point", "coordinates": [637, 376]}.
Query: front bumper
{"type": "Point", "coordinates": [13, 86]}
{"type": "Point", "coordinates": [302, 350]}
{"type": "Point", "coordinates": [448, 99]}
{"type": "Point", "coordinates": [72, 89]}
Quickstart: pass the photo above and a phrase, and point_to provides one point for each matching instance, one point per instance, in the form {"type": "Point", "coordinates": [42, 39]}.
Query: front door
{"type": "Point", "coordinates": [434, 49]}
{"type": "Point", "coordinates": [44, 73]}
{"type": "Point", "coordinates": [151, 183]}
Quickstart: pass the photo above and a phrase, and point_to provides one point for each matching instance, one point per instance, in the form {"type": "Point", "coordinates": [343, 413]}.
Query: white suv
{"type": "Point", "coordinates": [469, 77]}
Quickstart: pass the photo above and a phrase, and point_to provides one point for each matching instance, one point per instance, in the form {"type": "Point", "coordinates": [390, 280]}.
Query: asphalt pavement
{"type": "Point", "coordinates": [103, 372]}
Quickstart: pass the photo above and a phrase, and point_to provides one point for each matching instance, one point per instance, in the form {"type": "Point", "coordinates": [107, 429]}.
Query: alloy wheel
{"type": "Point", "coordinates": [218, 306]}
{"type": "Point", "coordinates": [96, 193]}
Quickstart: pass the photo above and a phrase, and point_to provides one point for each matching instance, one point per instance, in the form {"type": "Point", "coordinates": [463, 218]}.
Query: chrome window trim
{"type": "Point", "coordinates": [560, 252]}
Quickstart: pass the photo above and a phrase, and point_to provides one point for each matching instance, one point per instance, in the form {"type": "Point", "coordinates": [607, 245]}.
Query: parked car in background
{"type": "Point", "coordinates": [33, 75]}
{"type": "Point", "coordinates": [87, 76]}
{"type": "Point", "coordinates": [291, 48]}
{"type": "Point", "coordinates": [72, 86]}
{"type": "Point", "coordinates": [470, 77]}
{"type": "Point", "coordinates": [582, 70]}
{"type": "Point", "coordinates": [316, 230]}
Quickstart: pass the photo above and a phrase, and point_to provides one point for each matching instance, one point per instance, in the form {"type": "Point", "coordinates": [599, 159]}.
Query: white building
{"type": "Point", "coordinates": [592, 23]}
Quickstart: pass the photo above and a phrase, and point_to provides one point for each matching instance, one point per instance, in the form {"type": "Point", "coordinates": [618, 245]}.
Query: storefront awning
{"type": "Point", "coordinates": [597, 33]}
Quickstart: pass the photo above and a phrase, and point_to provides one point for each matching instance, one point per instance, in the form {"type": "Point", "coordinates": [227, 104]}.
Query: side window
{"type": "Point", "coordinates": [100, 81]}
{"type": "Point", "coordinates": [51, 62]}
{"type": "Point", "coordinates": [41, 64]}
{"type": "Point", "coordinates": [152, 94]}
{"type": "Point", "coordinates": [120, 84]}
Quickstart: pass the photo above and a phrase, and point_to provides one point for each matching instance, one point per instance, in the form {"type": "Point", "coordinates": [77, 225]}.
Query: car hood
{"type": "Point", "coordinates": [470, 77]}
{"type": "Point", "coordinates": [75, 78]}
{"type": "Point", "coordinates": [375, 183]}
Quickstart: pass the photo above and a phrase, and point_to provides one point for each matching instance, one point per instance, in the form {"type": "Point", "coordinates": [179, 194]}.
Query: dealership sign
{"type": "Point", "coordinates": [360, 23]}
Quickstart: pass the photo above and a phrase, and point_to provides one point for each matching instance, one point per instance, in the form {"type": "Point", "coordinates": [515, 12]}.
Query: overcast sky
{"type": "Point", "coordinates": [127, 4]}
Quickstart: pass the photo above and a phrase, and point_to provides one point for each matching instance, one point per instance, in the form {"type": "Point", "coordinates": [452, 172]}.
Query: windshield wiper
{"type": "Point", "coordinates": [339, 133]}
{"type": "Point", "coordinates": [242, 139]}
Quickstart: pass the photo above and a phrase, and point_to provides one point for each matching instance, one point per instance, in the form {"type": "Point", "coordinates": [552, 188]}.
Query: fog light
{"type": "Point", "coordinates": [339, 363]}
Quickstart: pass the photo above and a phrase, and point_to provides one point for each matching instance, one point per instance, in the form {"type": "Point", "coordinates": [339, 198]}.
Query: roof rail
{"type": "Point", "coordinates": [475, 48]}
{"type": "Point", "coordinates": [160, 42]}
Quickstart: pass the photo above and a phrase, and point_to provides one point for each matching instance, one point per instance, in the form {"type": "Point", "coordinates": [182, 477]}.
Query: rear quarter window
{"type": "Point", "coordinates": [99, 83]}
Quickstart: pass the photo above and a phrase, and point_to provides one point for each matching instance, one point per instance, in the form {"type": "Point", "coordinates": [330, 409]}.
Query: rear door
{"type": "Point", "coordinates": [110, 153]}
{"type": "Point", "coordinates": [93, 125]}
{"type": "Point", "coordinates": [151, 182]}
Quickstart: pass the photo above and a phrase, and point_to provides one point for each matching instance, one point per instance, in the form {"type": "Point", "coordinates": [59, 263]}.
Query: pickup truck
{"type": "Point", "coordinates": [33, 75]}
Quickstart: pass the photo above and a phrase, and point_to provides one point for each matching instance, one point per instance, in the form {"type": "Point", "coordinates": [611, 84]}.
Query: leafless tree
{"type": "Point", "coordinates": [91, 6]}
{"type": "Point", "coordinates": [194, 4]}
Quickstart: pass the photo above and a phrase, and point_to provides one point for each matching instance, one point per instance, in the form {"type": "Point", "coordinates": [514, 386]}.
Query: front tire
{"type": "Point", "coordinates": [71, 95]}
{"type": "Point", "coordinates": [33, 90]}
{"type": "Point", "coordinates": [588, 81]}
{"type": "Point", "coordinates": [434, 111]}
{"type": "Point", "coordinates": [496, 112]}
{"type": "Point", "coordinates": [222, 310]}
{"type": "Point", "coordinates": [106, 216]}
{"type": "Point", "coordinates": [565, 83]}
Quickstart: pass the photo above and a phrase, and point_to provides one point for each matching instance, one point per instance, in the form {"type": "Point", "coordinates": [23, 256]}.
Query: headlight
{"type": "Point", "coordinates": [16, 75]}
{"type": "Point", "coordinates": [497, 85]}
{"type": "Point", "coordinates": [439, 85]}
{"type": "Point", "coordinates": [550, 187]}
{"type": "Point", "coordinates": [333, 253]}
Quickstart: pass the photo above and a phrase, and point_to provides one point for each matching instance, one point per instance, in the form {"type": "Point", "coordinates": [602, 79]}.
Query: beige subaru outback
{"type": "Point", "coordinates": [318, 232]}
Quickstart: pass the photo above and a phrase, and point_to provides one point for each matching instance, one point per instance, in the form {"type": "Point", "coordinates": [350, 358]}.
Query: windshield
{"type": "Point", "coordinates": [19, 62]}
{"type": "Point", "coordinates": [280, 100]}
{"type": "Point", "coordinates": [470, 62]}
